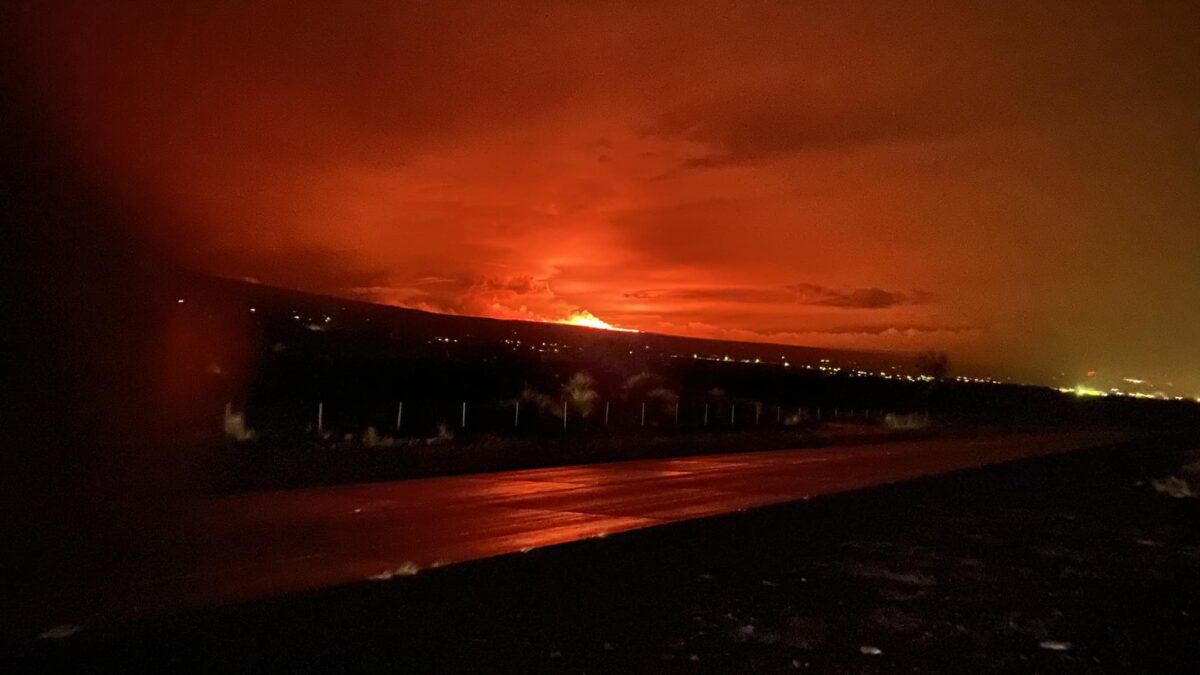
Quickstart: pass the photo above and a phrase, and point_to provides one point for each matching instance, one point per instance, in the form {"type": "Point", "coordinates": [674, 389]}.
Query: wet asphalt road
{"type": "Point", "coordinates": [245, 547]}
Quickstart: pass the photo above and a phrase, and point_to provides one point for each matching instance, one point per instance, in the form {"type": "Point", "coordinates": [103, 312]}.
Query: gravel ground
{"type": "Point", "coordinates": [1083, 563]}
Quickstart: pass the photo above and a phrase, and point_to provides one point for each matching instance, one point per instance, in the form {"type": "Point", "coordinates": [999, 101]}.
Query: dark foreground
{"type": "Point", "coordinates": [169, 556]}
{"type": "Point", "coordinates": [1064, 564]}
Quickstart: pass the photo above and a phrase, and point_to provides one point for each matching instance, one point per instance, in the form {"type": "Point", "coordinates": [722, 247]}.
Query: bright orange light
{"type": "Point", "coordinates": [588, 320]}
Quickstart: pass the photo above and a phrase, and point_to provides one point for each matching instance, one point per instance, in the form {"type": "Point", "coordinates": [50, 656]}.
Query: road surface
{"type": "Point", "coordinates": [244, 547]}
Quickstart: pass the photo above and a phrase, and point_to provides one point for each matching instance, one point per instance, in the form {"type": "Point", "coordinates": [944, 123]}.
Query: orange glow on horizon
{"type": "Point", "coordinates": [817, 187]}
{"type": "Point", "coordinates": [586, 319]}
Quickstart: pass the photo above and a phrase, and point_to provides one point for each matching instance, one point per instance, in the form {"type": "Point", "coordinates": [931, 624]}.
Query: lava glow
{"type": "Point", "coordinates": [828, 182]}
{"type": "Point", "coordinates": [588, 320]}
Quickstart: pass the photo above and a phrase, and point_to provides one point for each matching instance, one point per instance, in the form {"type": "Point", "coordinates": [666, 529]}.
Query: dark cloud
{"type": "Point", "coordinates": [803, 294]}
{"type": "Point", "coordinates": [856, 298]}
{"type": "Point", "coordinates": [735, 295]}
{"type": "Point", "coordinates": [899, 329]}
{"type": "Point", "coordinates": [518, 285]}
{"type": "Point", "coordinates": [780, 128]}
{"type": "Point", "coordinates": [921, 77]}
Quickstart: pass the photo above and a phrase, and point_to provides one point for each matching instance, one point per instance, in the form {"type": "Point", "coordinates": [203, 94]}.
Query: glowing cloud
{"type": "Point", "coordinates": [819, 186]}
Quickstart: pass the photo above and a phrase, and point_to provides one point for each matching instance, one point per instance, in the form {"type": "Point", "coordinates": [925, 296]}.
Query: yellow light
{"type": "Point", "coordinates": [586, 319]}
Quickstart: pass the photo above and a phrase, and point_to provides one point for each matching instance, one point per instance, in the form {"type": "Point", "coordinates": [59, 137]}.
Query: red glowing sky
{"type": "Point", "coordinates": [1016, 183]}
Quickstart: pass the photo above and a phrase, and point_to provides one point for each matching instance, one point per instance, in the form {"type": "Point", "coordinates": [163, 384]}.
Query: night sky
{"type": "Point", "coordinates": [1015, 183]}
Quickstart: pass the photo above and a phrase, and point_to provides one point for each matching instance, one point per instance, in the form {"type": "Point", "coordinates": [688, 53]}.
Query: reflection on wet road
{"type": "Point", "coordinates": [250, 546]}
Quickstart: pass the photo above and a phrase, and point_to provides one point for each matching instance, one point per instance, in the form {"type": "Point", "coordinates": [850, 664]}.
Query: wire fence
{"type": "Point", "coordinates": [424, 418]}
